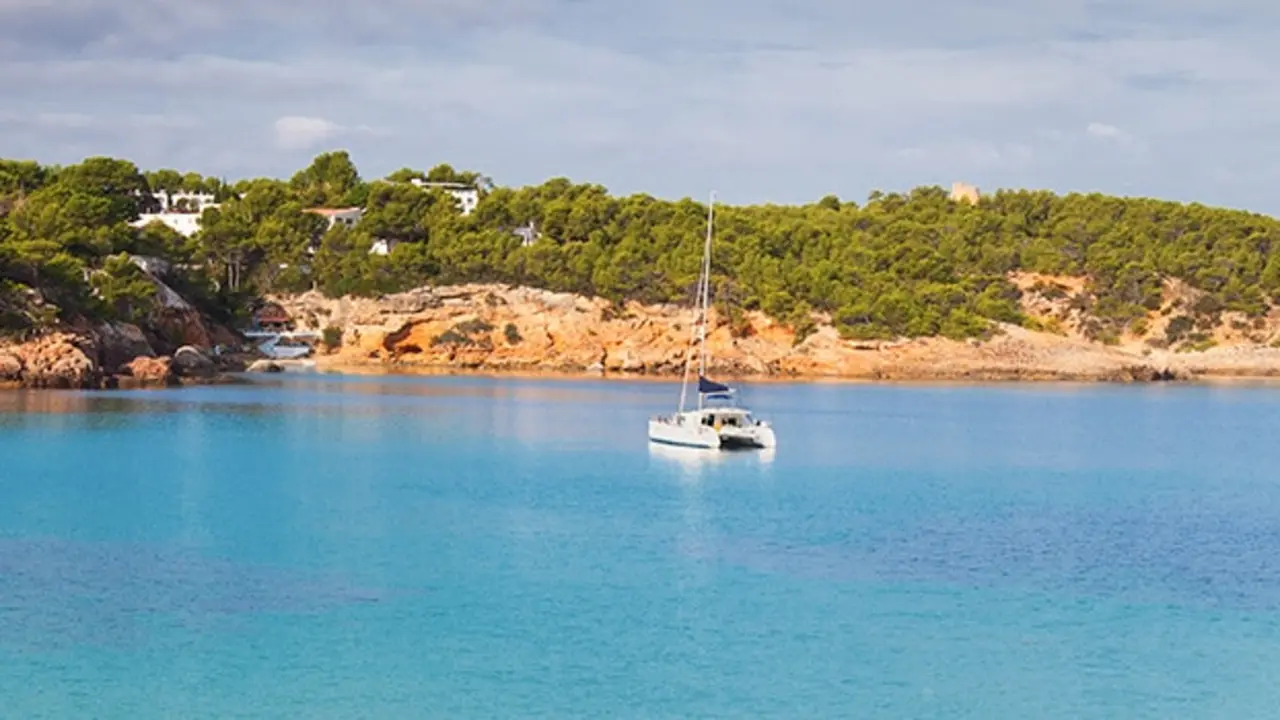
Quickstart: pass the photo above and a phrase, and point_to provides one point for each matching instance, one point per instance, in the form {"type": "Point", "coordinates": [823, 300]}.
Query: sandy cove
{"type": "Point", "coordinates": [501, 329]}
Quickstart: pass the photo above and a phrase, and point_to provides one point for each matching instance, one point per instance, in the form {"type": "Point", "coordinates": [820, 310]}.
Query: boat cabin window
{"type": "Point", "coordinates": [726, 420]}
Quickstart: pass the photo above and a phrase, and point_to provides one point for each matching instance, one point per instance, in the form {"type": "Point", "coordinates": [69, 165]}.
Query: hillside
{"type": "Point", "coordinates": [1013, 272]}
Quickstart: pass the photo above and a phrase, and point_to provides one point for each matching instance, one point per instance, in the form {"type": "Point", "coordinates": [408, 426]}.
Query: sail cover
{"type": "Point", "coordinates": [706, 386]}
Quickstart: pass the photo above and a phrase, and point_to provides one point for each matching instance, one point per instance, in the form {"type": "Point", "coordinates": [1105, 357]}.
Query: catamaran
{"type": "Point", "coordinates": [717, 421]}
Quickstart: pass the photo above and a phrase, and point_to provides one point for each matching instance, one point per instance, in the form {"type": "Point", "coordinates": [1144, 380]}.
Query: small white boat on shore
{"type": "Point", "coordinates": [717, 421]}
{"type": "Point", "coordinates": [288, 345]}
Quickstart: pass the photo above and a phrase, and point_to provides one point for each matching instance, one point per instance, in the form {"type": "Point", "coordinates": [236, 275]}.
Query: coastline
{"type": "Point", "coordinates": [508, 331]}
{"type": "Point", "coordinates": [991, 376]}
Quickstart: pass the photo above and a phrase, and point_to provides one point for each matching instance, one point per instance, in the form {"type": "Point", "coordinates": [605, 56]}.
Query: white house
{"type": "Point", "coordinates": [184, 223]}
{"type": "Point", "coordinates": [466, 195]}
{"type": "Point", "coordinates": [180, 211]}
{"type": "Point", "coordinates": [347, 216]}
{"type": "Point", "coordinates": [185, 202]}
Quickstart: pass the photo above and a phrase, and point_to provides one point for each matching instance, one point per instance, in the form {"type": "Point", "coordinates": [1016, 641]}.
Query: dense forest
{"type": "Point", "coordinates": [900, 264]}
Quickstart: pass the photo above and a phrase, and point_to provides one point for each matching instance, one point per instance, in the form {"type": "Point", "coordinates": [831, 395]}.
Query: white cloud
{"type": "Point", "coordinates": [294, 132]}
{"type": "Point", "coordinates": [1105, 131]}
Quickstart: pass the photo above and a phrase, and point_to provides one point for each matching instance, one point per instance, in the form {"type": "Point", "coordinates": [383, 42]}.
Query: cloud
{"type": "Point", "coordinates": [141, 28]}
{"type": "Point", "coordinates": [762, 99]}
{"type": "Point", "coordinates": [303, 133]}
{"type": "Point", "coordinates": [1105, 131]}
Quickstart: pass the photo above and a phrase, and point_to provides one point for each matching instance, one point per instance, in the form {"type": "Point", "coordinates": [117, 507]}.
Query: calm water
{"type": "Point", "coordinates": [472, 548]}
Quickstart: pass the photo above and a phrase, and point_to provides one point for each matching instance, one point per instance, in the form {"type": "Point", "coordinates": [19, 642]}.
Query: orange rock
{"type": "Point", "coordinates": [57, 360]}
{"type": "Point", "coordinates": [10, 368]}
{"type": "Point", "coordinates": [149, 372]}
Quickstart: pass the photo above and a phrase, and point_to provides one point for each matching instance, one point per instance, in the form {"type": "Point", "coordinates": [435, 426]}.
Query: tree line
{"type": "Point", "coordinates": [900, 264]}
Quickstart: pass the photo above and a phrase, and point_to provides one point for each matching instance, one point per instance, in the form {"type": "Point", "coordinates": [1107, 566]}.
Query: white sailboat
{"type": "Point", "coordinates": [718, 421]}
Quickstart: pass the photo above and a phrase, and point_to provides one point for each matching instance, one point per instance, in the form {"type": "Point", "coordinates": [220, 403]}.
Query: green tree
{"type": "Point", "coordinates": [330, 181]}
{"type": "Point", "coordinates": [398, 212]}
{"type": "Point", "coordinates": [118, 182]}
{"type": "Point", "coordinates": [125, 290]}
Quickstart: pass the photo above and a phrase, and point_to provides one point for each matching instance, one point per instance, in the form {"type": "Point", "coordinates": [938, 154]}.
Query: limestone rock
{"type": "Point", "coordinates": [436, 328]}
{"type": "Point", "coordinates": [58, 360]}
{"type": "Point", "coordinates": [148, 372]}
{"type": "Point", "coordinates": [10, 367]}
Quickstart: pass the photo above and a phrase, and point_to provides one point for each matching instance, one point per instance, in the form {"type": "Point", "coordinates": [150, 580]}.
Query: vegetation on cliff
{"type": "Point", "coordinates": [900, 264]}
{"type": "Point", "coordinates": [66, 245]}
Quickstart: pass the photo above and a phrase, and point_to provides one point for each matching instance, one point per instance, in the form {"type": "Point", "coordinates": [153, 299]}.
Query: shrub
{"type": "Point", "coordinates": [463, 334]}
{"type": "Point", "coordinates": [332, 337]}
{"type": "Point", "coordinates": [512, 333]}
{"type": "Point", "coordinates": [1178, 328]}
{"type": "Point", "coordinates": [1045, 324]}
{"type": "Point", "coordinates": [451, 337]}
{"type": "Point", "coordinates": [801, 322]}
{"type": "Point", "coordinates": [473, 327]}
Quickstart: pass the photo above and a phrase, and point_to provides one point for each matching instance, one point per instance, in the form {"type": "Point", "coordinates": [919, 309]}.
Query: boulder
{"type": "Point", "coordinates": [148, 372]}
{"type": "Point", "coordinates": [182, 327]}
{"type": "Point", "coordinates": [10, 367]}
{"type": "Point", "coordinates": [224, 336]}
{"type": "Point", "coordinates": [190, 361]}
{"type": "Point", "coordinates": [59, 360]}
{"type": "Point", "coordinates": [119, 344]}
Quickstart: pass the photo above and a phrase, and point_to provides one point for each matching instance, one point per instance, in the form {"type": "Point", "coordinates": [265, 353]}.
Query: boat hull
{"type": "Point", "coordinates": [694, 435]}
{"type": "Point", "coordinates": [755, 438]}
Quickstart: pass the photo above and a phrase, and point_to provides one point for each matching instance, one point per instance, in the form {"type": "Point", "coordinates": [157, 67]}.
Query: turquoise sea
{"type": "Point", "coordinates": [327, 547]}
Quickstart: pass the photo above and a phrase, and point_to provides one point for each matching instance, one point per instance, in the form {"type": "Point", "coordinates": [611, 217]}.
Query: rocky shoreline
{"type": "Point", "coordinates": [115, 357]}
{"type": "Point", "coordinates": [173, 346]}
{"type": "Point", "coordinates": [494, 329]}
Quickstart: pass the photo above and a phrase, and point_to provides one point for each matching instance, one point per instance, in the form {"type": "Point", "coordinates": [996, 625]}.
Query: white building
{"type": "Point", "coordinates": [184, 223]}
{"type": "Point", "coordinates": [468, 197]}
{"type": "Point", "coordinates": [346, 216]}
{"type": "Point", "coordinates": [185, 202]}
{"type": "Point", "coordinates": [180, 211]}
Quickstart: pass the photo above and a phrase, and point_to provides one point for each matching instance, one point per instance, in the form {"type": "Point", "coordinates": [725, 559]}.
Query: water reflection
{"type": "Point", "coordinates": [44, 402]}
{"type": "Point", "coordinates": [694, 464]}
{"type": "Point", "coordinates": [529, 412]}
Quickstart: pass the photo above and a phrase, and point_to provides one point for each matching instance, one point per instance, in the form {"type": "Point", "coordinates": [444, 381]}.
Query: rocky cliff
{"type": "Point", "coordinates": [172, 348]}
{"type": "Point", "coordinates": [498, 328]}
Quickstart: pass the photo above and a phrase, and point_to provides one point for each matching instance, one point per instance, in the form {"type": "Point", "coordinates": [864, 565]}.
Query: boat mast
{"type": "Point", "coordinates": [706, 296]}
{"type": "Point", "coordinates": [700, 313]}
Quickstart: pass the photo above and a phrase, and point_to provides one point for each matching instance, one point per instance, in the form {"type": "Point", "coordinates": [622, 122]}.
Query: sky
{"type": "Point", "coordinates": [759, 100]}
